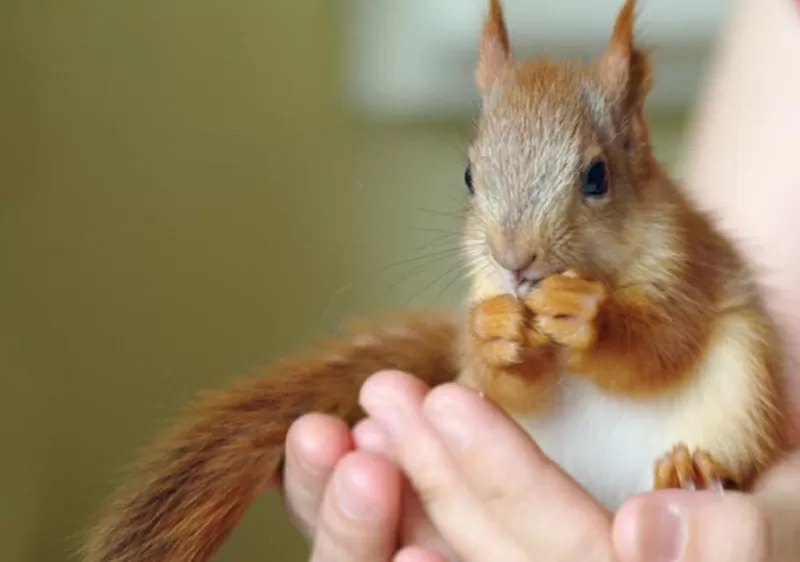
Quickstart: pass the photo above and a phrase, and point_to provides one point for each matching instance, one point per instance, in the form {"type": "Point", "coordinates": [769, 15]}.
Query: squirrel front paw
{"type": "Point", "coordinates": [502, 332]}
{"type": "Point", "coordinates": [567, 309]}
{"type": "Point", "coordinates": [680, 468]}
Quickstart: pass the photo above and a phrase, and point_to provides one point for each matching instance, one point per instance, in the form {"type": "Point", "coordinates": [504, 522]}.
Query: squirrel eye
{"type": "Point", "coordinates": [596, 182]}
{"type": "Point", "coordinates": [468, 178]}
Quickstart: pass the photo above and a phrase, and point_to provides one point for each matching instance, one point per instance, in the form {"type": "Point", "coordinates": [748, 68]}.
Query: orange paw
{"type": "Point", "coordinates": [681, 468]}
{"type": "Point", "coordinates": [567, 308]}
{"type": "Point", "coordinates": [501, 329]}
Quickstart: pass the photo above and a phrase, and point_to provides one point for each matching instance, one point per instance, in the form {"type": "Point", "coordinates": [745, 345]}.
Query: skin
{"type": "Point", "coordinates": [347, 490]}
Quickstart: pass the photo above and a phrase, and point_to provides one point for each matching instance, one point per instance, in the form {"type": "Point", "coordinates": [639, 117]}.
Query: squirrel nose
{"type": "Point", "coordinates": [516, 263]}
{"type": "Point", "coordinates": [513, 255]}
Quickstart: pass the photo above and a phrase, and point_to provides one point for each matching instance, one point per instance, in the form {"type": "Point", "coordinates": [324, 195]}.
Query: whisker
{"type": "Point", "coordinates": [438, 278]}
{"type": "Point", "coordinates": [436, 230]}
{"type": "Point", "coordinates": [336, 294]}
{"type": "Point", "coordinates": [458, 276]}
{"type": "Point", "coordinates": [444, 238]}
{"type": "Point", "coordinates": [414, 271]}
{"type": "Point", "coordinates": [453, 215]}
{"type": "Point", "coordinates": [421, 261]}
{"type": "Point", "coordinates": [433, 255]}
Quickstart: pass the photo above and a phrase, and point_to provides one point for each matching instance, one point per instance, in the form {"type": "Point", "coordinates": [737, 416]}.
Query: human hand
{"type": "Point", "coordinates": [487, 488]}
{"type": "Point", "coordinates": [345, 500]}
{"type": "Point", "coordinates": [495, 496]}
{"type": "Point", "coordinates": [684, 526]}
{"type": "Point", "coordinates": [505, 497]}
{"type": "Point", "coordinates": [344, 494]}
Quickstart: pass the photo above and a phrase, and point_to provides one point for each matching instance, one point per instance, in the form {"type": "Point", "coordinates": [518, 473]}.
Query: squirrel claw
{"type": "Point", "coordinates": [502, 328]}
{"type": "Point", "coordinates": [567, 307]}
{"type": "Point", "coordinates": [682, 469]}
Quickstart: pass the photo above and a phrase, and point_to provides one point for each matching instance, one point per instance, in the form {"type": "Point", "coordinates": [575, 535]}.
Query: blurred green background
{"type": "Point", "coordinates": [182, 199]}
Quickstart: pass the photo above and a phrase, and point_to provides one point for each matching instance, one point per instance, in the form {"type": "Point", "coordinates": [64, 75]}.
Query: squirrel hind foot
{"type": "Point", "coordinates": [683, 469]}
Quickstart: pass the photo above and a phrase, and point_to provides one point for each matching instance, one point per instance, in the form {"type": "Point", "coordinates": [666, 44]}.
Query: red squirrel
{"type": "Point", "coordinates": [607, 315]}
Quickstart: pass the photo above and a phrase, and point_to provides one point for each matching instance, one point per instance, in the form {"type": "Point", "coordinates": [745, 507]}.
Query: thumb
{"type": "Point", "coordinates": [685, 526]}
{"type": "Point", "coordinates": [682, 526]}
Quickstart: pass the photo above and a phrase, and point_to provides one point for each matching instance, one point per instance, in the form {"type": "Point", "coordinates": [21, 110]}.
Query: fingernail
{"type": "Point", "coordinates": [451, 421]}
{"type": "Point", "coordinates": [351, 495]}
{"type": "Point", "coordinates": [382, 406]}
{"type": "Point", "coordinates": [391, 419]}
{"type": "Point", "coordinates": [370, 435]}
{"type": "Point", "coordinates": [661, 533]}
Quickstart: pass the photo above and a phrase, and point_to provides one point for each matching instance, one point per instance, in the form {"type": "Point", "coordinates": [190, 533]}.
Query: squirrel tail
{"type": "Point", "coordinates": [191, 490]}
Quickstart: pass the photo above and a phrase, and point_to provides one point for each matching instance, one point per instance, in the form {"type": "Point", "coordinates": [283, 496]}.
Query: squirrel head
{"type": "Point", "coordinates": [559, 156]}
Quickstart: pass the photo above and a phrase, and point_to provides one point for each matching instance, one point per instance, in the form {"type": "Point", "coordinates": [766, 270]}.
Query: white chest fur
{"type": "Point", "coordinates": [610, 444]}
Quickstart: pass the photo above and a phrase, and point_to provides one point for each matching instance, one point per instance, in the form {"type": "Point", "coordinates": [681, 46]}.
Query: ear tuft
{"type": "Point", "coordinates": [624, 68]}
{"type": "Point", "coordinates": [494, 50]}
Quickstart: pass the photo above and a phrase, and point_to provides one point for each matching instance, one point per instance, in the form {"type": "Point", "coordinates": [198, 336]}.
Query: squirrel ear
{"type": "Point", "coordinates": [623, 68]}
{"type": "Point", "coordinates": [494, 50]}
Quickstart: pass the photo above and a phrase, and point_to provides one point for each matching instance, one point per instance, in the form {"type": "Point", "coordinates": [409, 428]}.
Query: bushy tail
{"type": "Point", "coordinates": [192, 489]}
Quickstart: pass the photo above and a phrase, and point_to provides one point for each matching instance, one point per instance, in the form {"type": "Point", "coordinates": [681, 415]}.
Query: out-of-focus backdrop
{"type": "Point", "coordinates": [190, 189]}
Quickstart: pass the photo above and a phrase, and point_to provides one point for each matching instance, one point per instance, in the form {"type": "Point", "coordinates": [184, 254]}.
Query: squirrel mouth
{"type": "Point", "coordinates": [526, 286]}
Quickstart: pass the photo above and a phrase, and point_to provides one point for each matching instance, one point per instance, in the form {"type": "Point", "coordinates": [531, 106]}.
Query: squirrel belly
{"type": "Point", "coordinates": [190, 490]}
{"type": "Point", "coordinates": [610, 443]}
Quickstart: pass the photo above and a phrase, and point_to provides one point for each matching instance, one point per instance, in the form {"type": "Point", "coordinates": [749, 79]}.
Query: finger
{"type": "Point", "coordinates": [314, 444]}
{"type": "Point", "coordinates": [360, 510]}
{"type": "Point", "coordinates": [706, 526]}
{"type": "Point", "coordinates": [690, 526]}
{"type": "Point", "coordinates": [417, 554]}
{"type": "Point", "coordinates": [514, 479]}
{"type": "Point", "coordinates": [416, 527]}
{"type": "Point", "coordinates": [395, 400]}
{"type": "Point", "coordinates": [368, 435]}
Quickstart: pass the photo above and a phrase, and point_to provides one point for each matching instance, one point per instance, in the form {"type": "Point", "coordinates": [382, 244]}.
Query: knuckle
{"type": "Point", "coordinates": [301, 500]}
{"type": "Point", "coordinates": [338, 537]}
{"type": "Point", "coordinates": [329, 546]}
{"type": "Point", "coordinates": [432, 493]}
{"type": "Point", "coordinates": [496, 497]}
{"type": "Point", "coordinates": [304, 521]}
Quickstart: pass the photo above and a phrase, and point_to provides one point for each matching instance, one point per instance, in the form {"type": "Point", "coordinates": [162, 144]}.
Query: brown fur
{"type": "Point", "coordinates": [665, 275]}
{"type": "Point", "coordinates": [194, 487]}
{"type": "Point", "coordinates": [506, 358]}
{"type": "Point", "coordinates": [657, 284]}
{"type": "Point", "coordinates": [494, 46]}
